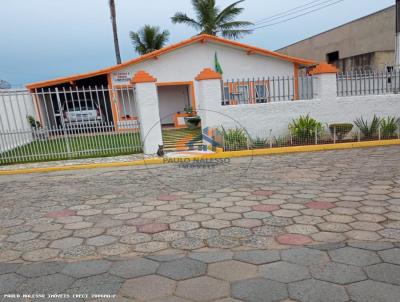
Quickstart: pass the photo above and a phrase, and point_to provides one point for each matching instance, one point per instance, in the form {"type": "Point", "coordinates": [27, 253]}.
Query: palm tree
{"type": "Point", "coordinates": [148, 39]}
{"type": "Point", "coordinates": [114, 27]}
{"type": "Point", "coordinates": [210, 19]}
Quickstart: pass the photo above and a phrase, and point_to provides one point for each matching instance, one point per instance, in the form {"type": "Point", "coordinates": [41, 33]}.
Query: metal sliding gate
{"type": "Point", "coordinates": [67, 123]}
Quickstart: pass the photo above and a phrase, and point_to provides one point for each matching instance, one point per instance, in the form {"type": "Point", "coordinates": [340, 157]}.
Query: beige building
{"type": "Point", "coordinates": [366, 43]}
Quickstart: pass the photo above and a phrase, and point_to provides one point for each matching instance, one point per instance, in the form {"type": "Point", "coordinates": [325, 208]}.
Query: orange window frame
{"type": "Point", "coordinates": [251, 90]}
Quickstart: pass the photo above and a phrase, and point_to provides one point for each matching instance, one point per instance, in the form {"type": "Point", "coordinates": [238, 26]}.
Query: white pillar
{"type": "Point", "coordinates": [148, 112]}
{"type": "Point", "coordinates": [209, 104]}
{"type": "Point", "coordinates": [325, 81]}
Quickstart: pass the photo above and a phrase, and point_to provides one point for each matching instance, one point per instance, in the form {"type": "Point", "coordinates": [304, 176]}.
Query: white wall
{"type": "Point", "coordinates": [15, 131]}
{"type": "Point", "coordinates": [126, 105]}
{"type": "Point", "coordinates": [147, 108]}
{"type": "Point", "coordinates": [171, 100]}
{"type": "Point", "coordinates": [186, 63]}
{"type": "Point", "coordinates": [260, 118]}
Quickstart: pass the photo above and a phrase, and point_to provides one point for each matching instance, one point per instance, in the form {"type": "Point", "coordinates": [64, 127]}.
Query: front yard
{"type": "Point", "coordinates": [74, 147]}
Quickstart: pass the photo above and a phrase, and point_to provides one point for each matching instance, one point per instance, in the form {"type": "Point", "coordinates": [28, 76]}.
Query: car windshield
{"type": "Point", "coordinates": [80, 105]}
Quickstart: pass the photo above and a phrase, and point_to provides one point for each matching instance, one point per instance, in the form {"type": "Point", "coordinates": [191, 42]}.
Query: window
{"type": "Point", "coordinates": [332, 57]}
{"type": "Point", "coordinates": [227, 95]}
{"type": "Point", "coordinates": [243, 93]}
{"type": "Point", "coordinates": [261, 93]}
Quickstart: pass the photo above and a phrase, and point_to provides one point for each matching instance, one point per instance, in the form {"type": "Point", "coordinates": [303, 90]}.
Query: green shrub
{"type": "Point", "coordinates": [259, 142]}
{"type": "Point", "coordinates": [35, 125]}
{"type": "Point", "coordinates": [340, 130]}
{"type": "Point", "coordinates": [305, 127]}
{"type": "Point", "coordinates": [368, 130]}
{"type": "Point", "coordinates": [234, 138]}
{"type": "Point", "coordinates": [389, 125]}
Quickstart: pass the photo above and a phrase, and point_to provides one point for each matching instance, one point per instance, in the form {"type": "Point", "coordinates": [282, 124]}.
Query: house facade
{"type": "Point", "coordinates": [175, 69]}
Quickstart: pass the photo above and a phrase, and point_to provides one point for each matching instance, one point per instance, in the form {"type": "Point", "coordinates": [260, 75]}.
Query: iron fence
{"type": "Point", "coordinates": [266, 90]}
{"type": "Point", "coordinates": [368, 82]}
{"type": "Point", "coordinates": [63, 123]}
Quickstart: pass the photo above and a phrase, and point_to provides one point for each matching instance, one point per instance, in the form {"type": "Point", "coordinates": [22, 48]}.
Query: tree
{"type": "Point", "coordinates": [210, 19]}
{"type": "Point", "coordinates": [115, 32]}
{"type": "Point", "coordinates": [148, 39]}
{"type": "Point", "coordinates": [4, 85]}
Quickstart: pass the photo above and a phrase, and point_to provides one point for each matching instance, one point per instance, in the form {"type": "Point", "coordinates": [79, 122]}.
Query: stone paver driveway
{"type": "Point", "coordinates": [306, 227]}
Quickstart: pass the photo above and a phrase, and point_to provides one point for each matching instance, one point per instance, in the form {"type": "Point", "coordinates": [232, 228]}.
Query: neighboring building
{"type": "Point", "coordinates": [367, 43]}
{"type": "Point", "coordinates": [175, 67]}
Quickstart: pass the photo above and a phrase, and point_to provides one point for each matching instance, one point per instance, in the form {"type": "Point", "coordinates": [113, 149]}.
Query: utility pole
{"type": "Point", "coordinates": [397, 49]}
{"type": "Point", "coordinates": [115, 32]}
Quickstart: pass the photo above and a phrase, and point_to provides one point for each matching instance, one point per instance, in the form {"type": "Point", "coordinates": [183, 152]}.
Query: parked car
{"type": "Point", "coordinates": [81, 113]}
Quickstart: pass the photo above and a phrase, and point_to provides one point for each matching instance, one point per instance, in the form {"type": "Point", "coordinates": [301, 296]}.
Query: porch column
{"type": "Point", "coordinates": [209, 103]}
{"type": "Point", "coordinates": [148, 112]}
{"type": "Point", "coordinates": [325, 82]}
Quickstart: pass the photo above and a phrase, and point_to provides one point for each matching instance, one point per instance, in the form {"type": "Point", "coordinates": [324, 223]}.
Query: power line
{"type": "Point", "coordinates": [292, 11]}
{"type": "Point", "coordinates": [297, 16]}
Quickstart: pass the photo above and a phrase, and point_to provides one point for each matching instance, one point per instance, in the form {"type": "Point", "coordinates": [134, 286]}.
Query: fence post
{"type": "Point", "coordinates": [147, 106]}
{"type": "Point", "coordinates": [63, 125]}
{"type": "Point", "coordinates": [209, 100]}
{"type": "Point", "coordinates": [398, 129]}
{"type": "Point", "coordinates": [334, 134]}
{"type": "Point", "coordinates": [326, 86]}
{"type": "Point", "coordinates": [359, 135]}
{"type": "Point", "coordinates": [316, 135]}
{"type": "Point", "coordinates": [379, 132]}
{"type": "Point", "coordinates": [270, 138]}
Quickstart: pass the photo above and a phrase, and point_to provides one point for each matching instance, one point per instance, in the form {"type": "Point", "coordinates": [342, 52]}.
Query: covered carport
{"type": "Point", "coordinates": [50, 101]}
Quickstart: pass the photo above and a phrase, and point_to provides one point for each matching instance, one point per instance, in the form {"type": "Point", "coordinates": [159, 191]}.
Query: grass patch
{"type": "Point", "coordinates": [74, 147]}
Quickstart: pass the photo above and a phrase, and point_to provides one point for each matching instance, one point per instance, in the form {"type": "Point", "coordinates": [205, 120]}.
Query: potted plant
{"type": "Point", "coordinates": [189, 110]}
{"type": "Point", "coordinates": [192, 120]}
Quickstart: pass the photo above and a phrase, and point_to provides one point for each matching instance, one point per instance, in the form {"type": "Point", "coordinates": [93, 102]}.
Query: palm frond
{"type": "Point", "coordinates": [184, 19]}
{"type": "Point", "coordinates": [235, 33]}
{"type": "Point", "coordinates": [148, 39]}
{"type": "Point", "coordinates": [235, 25]}
{"type": "Point", "coordinates": [210, 19]}
{"type": "Point", "coordinates": [229, 12]}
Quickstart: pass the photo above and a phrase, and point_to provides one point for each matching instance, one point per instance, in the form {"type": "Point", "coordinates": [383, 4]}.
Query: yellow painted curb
{"type": "Point", "coordinates": [228, 154]}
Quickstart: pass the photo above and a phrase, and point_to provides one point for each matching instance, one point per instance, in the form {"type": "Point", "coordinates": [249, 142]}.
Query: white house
{"type": "Point", "coordinates": [225, 82]}
{"type": "Point", "coordinates": [174, 69]}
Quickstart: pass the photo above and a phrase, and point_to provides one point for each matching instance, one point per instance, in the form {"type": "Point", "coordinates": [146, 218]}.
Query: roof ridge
{"type": "Point", "coordinates": [167, 49]}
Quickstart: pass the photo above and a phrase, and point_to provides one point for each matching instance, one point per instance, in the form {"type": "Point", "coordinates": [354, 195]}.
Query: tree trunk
{"type": "Point", "coordinates": [115, 33]}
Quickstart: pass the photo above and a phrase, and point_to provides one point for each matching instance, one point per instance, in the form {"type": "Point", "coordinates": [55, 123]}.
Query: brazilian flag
{"type": "Point", "coordinates": [218, 67]}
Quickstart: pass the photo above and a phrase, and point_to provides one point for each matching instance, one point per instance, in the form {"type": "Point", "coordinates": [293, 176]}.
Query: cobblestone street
{"type": "Point", "coordinates": [304, 227]}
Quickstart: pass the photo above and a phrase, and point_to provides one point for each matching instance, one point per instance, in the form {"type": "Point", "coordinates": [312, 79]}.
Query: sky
{"type": "Point", "coordinates": [44, 39]}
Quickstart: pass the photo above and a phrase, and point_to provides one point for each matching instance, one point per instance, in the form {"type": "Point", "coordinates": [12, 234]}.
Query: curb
{"type": "Point", "coordinates": [228, 154]}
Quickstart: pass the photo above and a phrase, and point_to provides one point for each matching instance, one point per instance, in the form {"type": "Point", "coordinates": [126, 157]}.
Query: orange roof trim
{"type": "Point", "coordinates": [324, 67]}
{"type": "Point", "coordinates": [208, 74]}
{"type": "Point", "coordinates": [168, 49]}
{"type": "Point", "coordinates": [143, 77]}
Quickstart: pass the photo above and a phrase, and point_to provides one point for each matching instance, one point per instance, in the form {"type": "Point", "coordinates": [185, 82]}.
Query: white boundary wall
{"type": "Point", "coordinates": [258, 119]}
{"type": "Point", "coordinates": [15, 106]}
